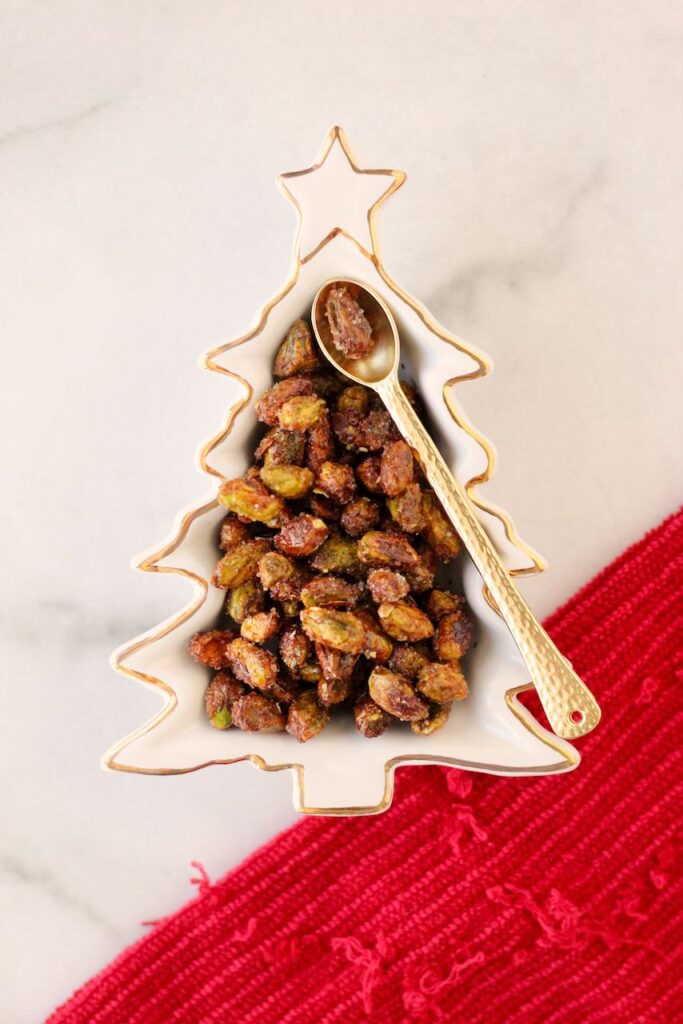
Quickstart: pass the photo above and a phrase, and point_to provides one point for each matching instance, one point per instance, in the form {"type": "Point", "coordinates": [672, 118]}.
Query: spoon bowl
{"type": "Point", "coordinates": [383, 361]}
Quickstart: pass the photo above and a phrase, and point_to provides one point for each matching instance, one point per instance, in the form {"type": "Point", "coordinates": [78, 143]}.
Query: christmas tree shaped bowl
{"type": "Point", "coordinates": [339, 771]}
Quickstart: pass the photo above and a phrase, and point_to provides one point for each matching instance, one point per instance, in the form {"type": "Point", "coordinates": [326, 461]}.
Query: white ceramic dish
{"type": "Point", "coordinates": [339, 772]}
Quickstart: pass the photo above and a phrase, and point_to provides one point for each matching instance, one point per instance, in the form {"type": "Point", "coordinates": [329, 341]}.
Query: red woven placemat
{"type": "Point", "coordinates": [474, 899]}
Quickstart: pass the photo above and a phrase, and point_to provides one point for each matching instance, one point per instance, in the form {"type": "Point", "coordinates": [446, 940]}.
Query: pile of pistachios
{"type": "Point", "coordinates": [332, 544]}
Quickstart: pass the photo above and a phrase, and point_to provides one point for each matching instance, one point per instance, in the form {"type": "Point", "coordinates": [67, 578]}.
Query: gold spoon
{"type": "Point", "coordinates": [571, 708]}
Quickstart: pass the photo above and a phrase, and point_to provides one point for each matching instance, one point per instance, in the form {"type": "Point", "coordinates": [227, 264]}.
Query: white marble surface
{"type": "Point", "coordinates": [138, 145]}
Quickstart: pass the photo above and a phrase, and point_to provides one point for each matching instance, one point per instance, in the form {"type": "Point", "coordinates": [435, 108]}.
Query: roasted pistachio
{"type": "Point", "coordinates": [246, 599]}
{"type": "Point", "coordinates": [240, 563]}
{"type": "Point", "coordinates": [233, 532]}
{"type": "Point", "coordinates": [404, 621]}
{"type": "Point", "coordinates": [442, 602]}
{"type": "Point", "coordinates": [438, 716]}
{"type": "Point", "coordinates": [287, 481]}
{"type": "Point", "coordinates": [301, 412]}
{"type": "Point", "coordinates": [379, 548]}
{"type": "Point", "coordinates": [335, 665]}
{"type": "Point", "coordinates": [336, 481]}
{"type": "Point", "coordinates": [337, 554]}
{"type": "Point", "coordinates": [280, 576]}
{"type": "Point", "coordinates": [256, 713]}
{"type": "Point", "coordinates": [442, 683]}
{"type": "Point", "coordinates": [260, 626]}
{"type": "Point", "coordinates": [269, 405]}
{"type": "Point", "coordinates": [396, 469]}
{"type": "Point", "coordinates": [438, 531]}
{"type": "Point", "coordinates": [368, 472]}
{"type": "Point", "coordinates": [221, 693]}
{"type": "Point", "coordinates": [395, 695]}
{"type": "Point", "coordinates": [320, 446]}
{"type": "Point", "coordinates": [295, 649]}
{"type": "Point", "coordinates": [306, 717]}
{"type": "Point", "coordinates": [406, 509]}
{"type": "Point", "coordinates": [212, 648]}
{"type": "Point", "coordinates": [297, 353]}
{"type": "Point", "coordinates": [282, 447]}
{"type": "Point", "coordinates": [350, 330]}
{"type": "Point", "coordinates": [371, 720]}
{"type": "Point", "coordinates": [387, 585]}
{"type": "Point", "coordinates": [341, 630]}
{"type": "Point", "coordinates": [252, 664]}
{"type": "Point", "coordinates": [453, 637]}
{"type": "Point", "coordinates": [329, 591]}
{"type": "Point", "coordinates": [245, 498]}
{"type": "Point", "coordinates": [323, 507]}
{"type": "Point", "coordinates": [377, 646]}
{"type": "Point", "coordinates": [301, 536]}
{"type": "Point", "coordinates": [407, 660]}
{"type": "Point", "coordinates": [359, 516]}
{"type": "Point", "coordinates": [354, 397]}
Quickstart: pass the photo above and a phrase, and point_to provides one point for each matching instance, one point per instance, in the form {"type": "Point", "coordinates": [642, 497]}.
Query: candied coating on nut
{"type": "Point", "coordinates": [245, 498]}
{"type": "Point", "coordinates": [306, 717]}
{"type": "Point", "coordinates": [442, 683]}
{"type": "Point", "coordinates": [396, 469]}
{"type": "Point", "coordinates": [349, 327]}
{"type": "Point", "coordinates": [437, 718]}
{"type": "Point", "coordinates": [368, 472]}
{"type": "Point", "coordinates": [212, 648]}
{"type": "Point", "coordinates": [438, 531]}
{"type": "Point", "coordinates": [364, 432]}
{"type": "Point", "coordinates": [377, 646]}
{"type": "Point", "coordinates": [301, 536]}
{"type": "Point", "coordinates": [343, 631]}
{"type": "Point", "coordinates": [407, 660]}
{"type": "Point", "coordinates": [328, 385]}
{"type": "Point", "coordinates": [387, 585]}
{"type": "Point", "coordinates": [335, 665]}
{"type": "Point", "coordinates": [287, 481]}
{"type": "Point", "coordinates": [260, 626]}
{"type": "Point", "coordinates": [371, 720]}
{"type": "Point", "coordinates": [323, 507]}
{"type": "Point", "coordinates": [221, 693]}
{"type": "Point", "coordinates": [233, 532]}
{"type": "Point", "coordinates": [406, 509]}
{"type": "Point", "coordinates": [443, 602]}
{"type": "Point", "coordinates": [359, 516]}
{"type": "Point", "coordinates": [301, 412]}
{"type": "Point", "coordinates": [453, 636]}
{"type": "Point", "coordinates": [240, 563]}
{"type": "Point", "coordinates": [252, 664]}
{"type": "Point", "coordinates": [354, 397]}
{"type": "Point", "coordinates": [270, 403]}
{"type": "Point", "coordinates": [336, 481]}
{"type": "Point", "coordinates": [335, 690]}
{"type": "Point", "coordinates": [246, 599]}
{"type": "Point", "coordinates": [281, 577]}
{"type": "Point", "coordinates": [280, 447]}
{"type": "Point", "coordinates": [320, 443]}
{"type": "Point", "coordinates": [395, 695]}
{"type": "Point", "coordinates": [337, 554]}
{"type": "Point", "coordinates": [295, 649]}
{"type": "Point", "coordinates": [255, 713]}
{"type": "Point", "coordinates": [380, 548]}
{"type": "Point", "coordinates": [421, 578]}
{"type": "Point", "coordinates": [329, 591]}
{"type": "Point", "coordinates": [297, 353]}
{"type": "Point", "coordinates": [404, 621]}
